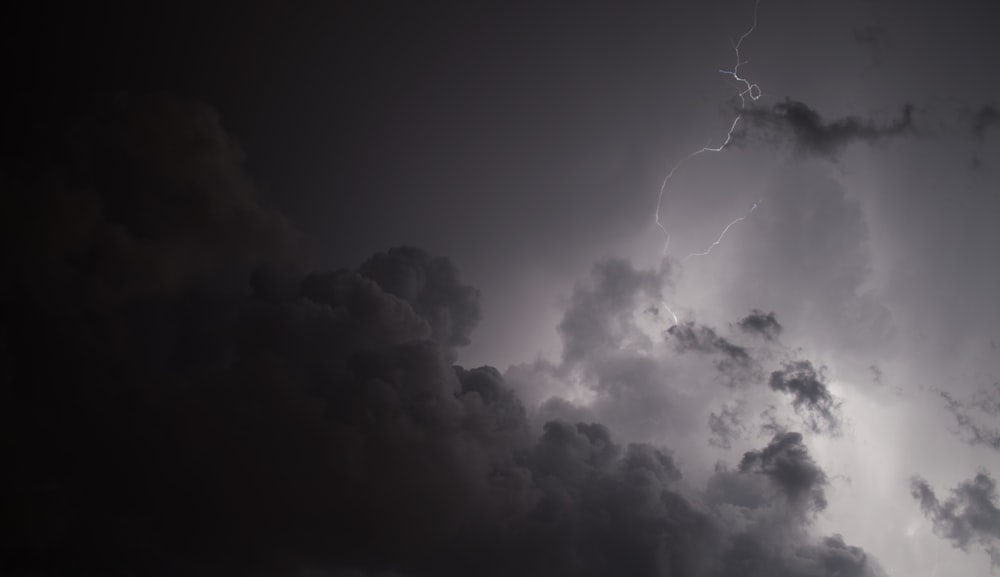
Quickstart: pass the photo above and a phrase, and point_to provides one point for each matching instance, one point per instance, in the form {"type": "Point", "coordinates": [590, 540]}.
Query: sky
{"type": "Point", "coordinates": [385, 289]}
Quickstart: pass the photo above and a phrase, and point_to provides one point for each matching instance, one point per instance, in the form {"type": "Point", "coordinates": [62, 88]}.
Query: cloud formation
{"type": "Point", "coordinates": [183, 396]}
{"type": "Point", "coordinates": [787, 463]}
{"type": "Point", "coordinates": [811, 134]}
{"type": "Point", "coordinates": [691, 337]}
{"type": "Point", "coordinates": [810, 395]}
{"type": "Point", "coordinates": [759, 323]}
{"type": "Point", "coordinates": [432, 287]}
{"type": "Point", "coordinates": [968, 517]}
{"type": "Point", "coordinates": [599, 316]}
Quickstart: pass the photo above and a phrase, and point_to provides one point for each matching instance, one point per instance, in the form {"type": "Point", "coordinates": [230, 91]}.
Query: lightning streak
{"type": "Point", "coordinates": [666, 306]}
{"type": "Point", "coordinates": [748, 89]}
{"type": "Point", "coordinates": [724, 231]}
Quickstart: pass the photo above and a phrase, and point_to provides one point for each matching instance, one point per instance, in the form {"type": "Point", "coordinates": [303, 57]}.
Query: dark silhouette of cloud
{"type": "Point", "coordinates": [969, 517]}
{"type": "Point", "coordinates": [760, 323]}
{"type": "Point", "coordinates": [736, 363]}
{"type": "Point", "coordinates": [182, 395]}
{"type": "Point", "coordinates": [787, 462]}
{"type": "Point", "coordinates": [691, 337]}
{"type": "Point", "coordinates": [810, 134]}
{"type": "Point", "coordinates": [703, 339]}
{"type": "Point", "coordinates": [811, 397]}
{"type": "Point", "coordinates": [432, 287]}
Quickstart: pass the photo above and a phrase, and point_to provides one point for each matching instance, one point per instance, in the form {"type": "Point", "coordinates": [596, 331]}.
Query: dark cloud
{"type": "Point", "coordinates": [787, 463]}
{"type": "Point", "coordinates": [432, 287]}
{"type": "Point", "coordinates": [145, 197]}
{"type": "Point", "coordinates": [811, 134]}
{"type": "Point", "coordinates": [760, 323]}
{"type": "Point", "coordinates": [810, 395]}
{"type": "Point", "coordinates": [968, 517]}
{"type": "Point", "coordinates": [734, 362]}
{"type": "Point", "coordinates": [983, 120]}
{"type": "Point", "coordinates": [832, 556]}
{"type": "Point", "coordinates": [780, 489]}
{"type": "Point", "coordinates": [181, 398]}
{"type": "Point", "coordinates": [691, 337]}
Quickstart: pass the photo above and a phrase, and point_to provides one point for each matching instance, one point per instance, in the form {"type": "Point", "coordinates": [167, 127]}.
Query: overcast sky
{"type": "Point", "coordinates": [378, 289]}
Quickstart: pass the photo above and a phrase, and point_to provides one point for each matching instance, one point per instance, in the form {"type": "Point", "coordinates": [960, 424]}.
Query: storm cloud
{"type": "Point", "coordinates": [786, 462]}
{"type": "Point", "coordinates": [809, 133]}
{"type": "Point", "coordinates": [239, 415]}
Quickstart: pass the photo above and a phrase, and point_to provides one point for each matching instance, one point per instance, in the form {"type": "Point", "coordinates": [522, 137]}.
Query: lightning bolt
{"type": "Point", "coordinates": [708, 250]}
{"type": "Point", "coordinates": [748, 89]}
{"type": "Point", "coordinates": [672, 314]}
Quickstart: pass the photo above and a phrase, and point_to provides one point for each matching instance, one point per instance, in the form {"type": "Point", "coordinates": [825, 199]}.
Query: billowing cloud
{"type": "Point", "coordinates": [810, 134]}
{"type": "Point", "coordinates": [787, 463]}
{"type": "Point", "coordinates": [432, 287]}
{"type": "Point", "coordinates": [235, 414]}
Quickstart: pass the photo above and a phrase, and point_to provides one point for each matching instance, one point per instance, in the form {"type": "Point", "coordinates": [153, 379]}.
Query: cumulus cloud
{"type": "Point", "coordinates": [787, 462]}
{"type": "Point", "coordinates": [182, 396]}
{"type": "Point", "coordinates": [431, 285]}
{"type": "Point", "coordinates": [811, 134]}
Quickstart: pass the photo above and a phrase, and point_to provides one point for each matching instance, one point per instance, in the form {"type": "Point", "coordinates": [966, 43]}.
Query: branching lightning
{"type": "Point", "coordinates": [747, 89]}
